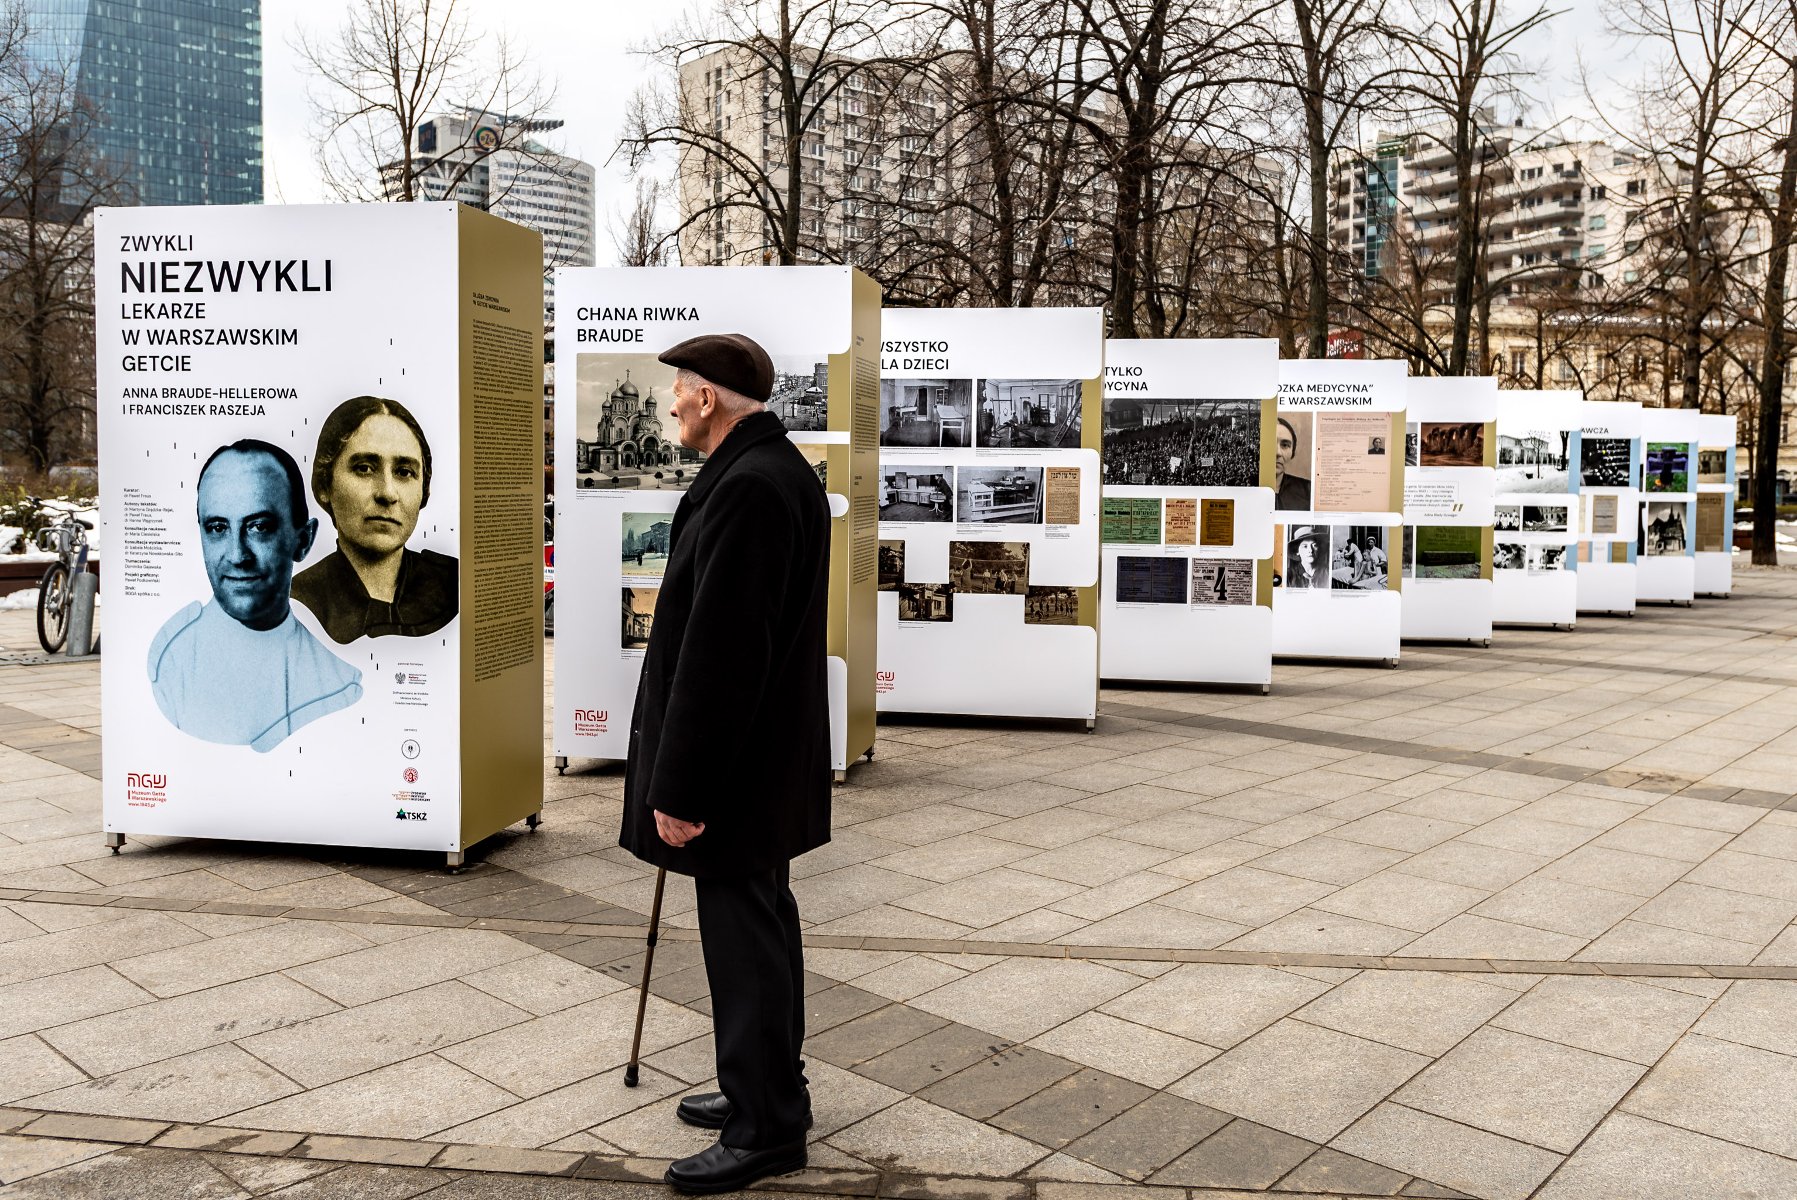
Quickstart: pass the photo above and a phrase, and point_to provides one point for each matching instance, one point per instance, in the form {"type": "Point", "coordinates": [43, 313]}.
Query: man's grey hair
{"type": "Point", "coordinates": [731, 400]}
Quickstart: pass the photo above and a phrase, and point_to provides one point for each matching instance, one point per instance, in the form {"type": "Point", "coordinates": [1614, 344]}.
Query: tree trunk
{"type": "Point", "coordinates": [1772, 364]}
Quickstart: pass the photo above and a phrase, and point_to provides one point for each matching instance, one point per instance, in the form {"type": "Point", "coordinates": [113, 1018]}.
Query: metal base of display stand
{"type": "Point", "coordinates": [1392, 663]}
{"type": "Point", "coordinates": [115, 841]}
{"type": "Point", "coordinates": [561, 764]}
{"type": "Point", "coordinates": [1266, 689]}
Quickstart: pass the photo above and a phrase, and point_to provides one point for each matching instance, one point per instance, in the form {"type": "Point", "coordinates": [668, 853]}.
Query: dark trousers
{"type": "Point", "coordinates": [749, 928]}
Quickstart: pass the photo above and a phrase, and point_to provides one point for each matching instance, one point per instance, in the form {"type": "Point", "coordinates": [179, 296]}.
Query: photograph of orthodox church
{"type": "Point", "coordinates": [625, 438]}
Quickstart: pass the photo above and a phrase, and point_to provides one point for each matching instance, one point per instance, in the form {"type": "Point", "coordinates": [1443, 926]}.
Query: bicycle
{"type": "Point", "coordinates": [67, 539]}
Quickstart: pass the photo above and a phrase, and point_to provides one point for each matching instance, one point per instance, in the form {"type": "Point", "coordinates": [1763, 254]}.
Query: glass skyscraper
{"type": "Point", "coordinates": [176, 86]}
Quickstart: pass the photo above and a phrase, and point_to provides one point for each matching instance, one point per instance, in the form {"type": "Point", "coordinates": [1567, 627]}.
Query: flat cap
{"type": "Point", "coordinates": [729, 360]}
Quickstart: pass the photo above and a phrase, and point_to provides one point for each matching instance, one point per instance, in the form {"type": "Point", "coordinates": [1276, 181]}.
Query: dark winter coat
{"type": "Point", "coordinates": [732, 720]}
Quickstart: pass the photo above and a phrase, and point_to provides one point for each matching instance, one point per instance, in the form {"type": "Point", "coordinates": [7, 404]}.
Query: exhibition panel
{"type": "Point", "coordinates": [1187, 590]}
{"type": "Point", "coordinates": [989, 428]}
{"type": "Point", "coordinates": [1716, 483]}
{"type": "Point", "coordinates": [1450, 450]}
{"type": "Point", "coordinates": [1609, 469]}
{"type": "Point", "coordinates": [320, 469]}
{"type": "Point", "coordinates": [620, 469]}
{"type": "Point", "coordinates": [1535, 579]}
{"type": "Point", "coordinates": [1665, 552]}
{"type": "Point", "coordinates": [1338, 495]}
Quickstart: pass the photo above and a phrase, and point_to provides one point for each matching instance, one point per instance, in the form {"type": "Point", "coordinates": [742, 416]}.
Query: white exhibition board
{"type": "Point", "coordinates": [1714, 531]}
{"type": "Point", "coordinates": [1665, 549]}
{"type": "Point", "coordinates": [620, 470]}
{"type": "Point", "coordinates": [989, 495]}
{"type": "Point", "coordinates": [1338, 501]}
{"type": "Point", "coordinates": [1448, 489]}
{"type": "Point", "coordinates": [1186, 441]}
{"type": "Point", "coordinates": [1535, 577]}
{"type": "Point", "coordinates": [1608, 486]}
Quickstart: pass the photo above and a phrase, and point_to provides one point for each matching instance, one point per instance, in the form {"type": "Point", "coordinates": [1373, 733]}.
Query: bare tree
{"type": "Point", "coordinates": [637, 233]}
{"type": "Point", "coordinates": [387, 70]}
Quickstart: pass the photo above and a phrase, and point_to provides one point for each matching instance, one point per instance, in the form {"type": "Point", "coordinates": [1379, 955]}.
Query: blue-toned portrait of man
{"type": "Point", "coordinates": [240, 670]}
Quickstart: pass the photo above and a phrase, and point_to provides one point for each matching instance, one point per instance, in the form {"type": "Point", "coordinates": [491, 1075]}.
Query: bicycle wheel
{"type": "Point", "coordinates": [53, 608]}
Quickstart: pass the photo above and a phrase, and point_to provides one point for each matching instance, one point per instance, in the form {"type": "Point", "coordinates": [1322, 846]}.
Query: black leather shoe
{"type": "Point", "coordinates": [721, 1168]}
{"type": "Point", "coordinates": [709, 1110]}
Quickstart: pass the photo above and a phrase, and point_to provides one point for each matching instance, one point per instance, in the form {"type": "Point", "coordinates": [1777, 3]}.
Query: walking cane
{"type": "Point", "coordinates": [642, 998]}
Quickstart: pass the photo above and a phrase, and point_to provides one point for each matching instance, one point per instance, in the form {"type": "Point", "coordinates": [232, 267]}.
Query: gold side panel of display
{"type": "Point", "coordinates": [1269, 452]}
{"type": "Point", "coordinates": [1091, 437]}
{"type": "Point", "coordinates": [1491, 443]}
{"type": "Point", "coordinates": [855, 538]}
{"type": "Point", "coordinates": [1487, 551]}
{"type": "Point", "coordinates": [500, 319]}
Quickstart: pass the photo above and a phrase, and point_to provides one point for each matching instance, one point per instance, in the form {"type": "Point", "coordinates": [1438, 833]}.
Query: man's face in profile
{"type": "Point", "coordinates": [1286, 449]}
{"type": "Point", "coordinates": [248, 536]}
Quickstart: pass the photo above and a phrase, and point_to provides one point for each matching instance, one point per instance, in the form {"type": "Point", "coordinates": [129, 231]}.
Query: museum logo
{"type": "Point", "coordinates": [145, 791]}
{"type": "Point", "coordinates": [590, 721]}
{"type": "Point", "coordinates": [883, 681]}
{"type": "Point", "coordinates": [410, 774]}
{"type": "Point", "coordinates": [405, 814]}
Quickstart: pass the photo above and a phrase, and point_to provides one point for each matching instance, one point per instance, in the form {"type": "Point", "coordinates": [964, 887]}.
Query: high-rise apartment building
{"type": "Point", "coordinates": [176, 88]}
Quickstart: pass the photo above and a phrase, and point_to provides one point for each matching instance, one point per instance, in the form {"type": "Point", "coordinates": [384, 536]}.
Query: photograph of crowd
{"type": "Point", "coordinates": [1449, 551]}
{"type": "Point", "coordinates": [644, 542]}
{"type": "Point", "coordinates": [801, 395]}
{"type": "Point", "coordinates": [989, 568]}
{"type": "Point", "coordinates": [1534, 461]}
{"type": "Point", "coordinates": [1668, 467]}
{"type": "Point", "coordinates": [1151, 580]}
{"type": "Point", "coordinates": [1712, 466]}
{"type": "Point", "coordinates": [1663, 527]}
{"type": "Point", "coordinates": [925, 602]}
{"type": "Point", "coordinates": [926, 412]}
{"type": "Point", "coordinates": [1451, 444]}
{"type": "Point", "coordinates": [1547, 558]}
{"type": "Point", "coordinates": [1182, 443]}
{"type": "Point", "coordinates": [1544, 518]}
{"type": "Point", "coordinates": [1509, 556]}
{"type": "Point", "coordinates": [1028, 414]}
{"type": "Point", "coordinates": [1007, 495]}
{"type": "Point", "coordinates": [1604, 462]}
{"type": "Point", "coordinates": [916, 493]}
{"type": "Point", "coordinates": [1293, 440]}
{"type": "Point", "coordinates": [1507, 518]}
{"type": "Point", "coordinates": [639, 616]}
{"type": "Point", "coordinates": [1358, 561]}
{"type": "Point", "coordinates": [892, 566]}
{"type": "Point", "coordinates": [1051, 606]}
{"type": "Point", "coordinates": [1221, 582]}
{"type": "Point", "coordinates": [1306, 557]}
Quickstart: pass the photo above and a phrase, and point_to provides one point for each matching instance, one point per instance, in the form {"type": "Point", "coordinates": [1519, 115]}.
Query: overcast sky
{"type": "Point", "coordinates": [586, 50]}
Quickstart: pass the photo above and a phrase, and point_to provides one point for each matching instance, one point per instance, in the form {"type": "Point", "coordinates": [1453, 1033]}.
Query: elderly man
{"type": "Point", "coordinates": [729, 772]}
{"type": "Point", "coordinates": [241, 670]}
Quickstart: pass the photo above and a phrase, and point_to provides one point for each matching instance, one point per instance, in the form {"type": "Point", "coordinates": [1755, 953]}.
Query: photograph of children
{"type": "Point", "coordinates": [1662, 527]}
{"type": "Point", "coordinates": [1668, 467]}
{"type": "Point", "coordinates": [913, 493]}
{"type": "Point", "coordinates": [1028, 414]}
{"type": "Point", "coordinates": [801, 395]}
{"type": "Point", "coordinates": [1712, 466]}
{"type": "Point", "coordinates": [1222, 582]}
{"type": "Point", "coordinates": [892, 566]}
{"type": "Point", "coordinates": [1151, 580]}
{"type": "Point", "coordinates": [989, 568]}
{"type": "Point", "coordinates": [1051, 606]}
{"type": "Point", "coordinates": [1452, 444]}
{"type": "Point", "coordinates": [1448, 551]}
{"type": "Point", "coordinates": [1182, 443]}
{"type": "Point", "coordinates": [926, 412]}
{"type": "Point", "coordinates": [1411, 437]}
{"type": "Point", "coordinates": [624, 436]}
{"type": "Point", "coordinates": [1507, 518]}
{"type": "Point", "coordinates": [644, 544]}
{"type": "Point", "coordinates": [1604, 462]}
{"type": "Point", "coordinates": [1359, 561]}
{"type": "Point", "coordinates": [1508, 556]}
{"type": "Point", "coordinates": [1294, 438]}
{"type": "Point", "coordinates": [1544, 518]}
{"type": "Point", "coordinates": [1307, 557]}
{"type": "Point", "coordinates": [1007, 495]}
{"type": "Point", "coordinates": [1408, 550]}
{"type": "Point", "coordinates": [1534, 461]}
{"type": "Point", "coordinates": [639, 616]}
{"type": "Point", "coordinates": [1546, 558]}
{"type": "Point", "coordinates": [925, 602]}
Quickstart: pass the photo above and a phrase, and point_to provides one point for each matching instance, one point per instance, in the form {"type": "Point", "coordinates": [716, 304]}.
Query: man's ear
{"type": "Point", "coordinates": [308, 534]}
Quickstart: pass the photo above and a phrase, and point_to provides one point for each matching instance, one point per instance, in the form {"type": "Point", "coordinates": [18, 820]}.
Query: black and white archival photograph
{"type": "Point", "coordinates": [925, 602]}
{"type": "Point", "coordinates": [1451, 444]}
{"type": "Point", "coordinates": [644, 542]}
{"type": "Point", "coordinates": [1028, 414]}
{"type": "Point", "coordinates": [1412, 440]}
{"type": "Point", "coordinates": [892, 566]}
{"type": "Point", "coordinates": [639, 616]}
{"type": "Point", "coordinates": [916, 493]}
{"type": "Point", "coordinates": [989, 568]}
{"type": "Point", "coordinates": [1307, 557]}
{"type": "Point", "coordinates": [801, 395]}
{"type": "Point", "coordinates": [1532, 461]}
{"type": "Point", "coordinates": [1000, 495]}
{"type": "Point", "coordinates": [1407, 553]}
{"type": "Point", "coordinates": [1544, 518]}
{"type": "Point", "coordinates": [1509, 556]}
{"type": "Point", "coordinates": [1663, 527]}
{"type": "Point", "coordinates": [1604, 462]}
{"type": "Point", "coordinates": [1544, 558]}
{"type": "Point", "coordinates": [1294, 438]}
{"type": "Point", "coordinates": [1051, 606]}
{"type": "Point", "coordinates": [1142, 580]}
{"type": "Point", "coordinates": [624, 437]}
{"type": "Point", "coordinates": [926, 412]}
{"type": "Point", "coordinates": [1712, 465]}
{"type": "Point", "coordinates": [1182, 443]}
{"type": "Point", "coordinates": [1507, 518]}
{"type": "Point", "coordinates": [1358, 560]}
